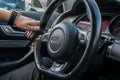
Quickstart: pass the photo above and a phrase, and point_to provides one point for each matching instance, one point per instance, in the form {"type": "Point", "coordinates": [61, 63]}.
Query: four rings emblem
{"type": "Point", "coordinates": [55, 42]}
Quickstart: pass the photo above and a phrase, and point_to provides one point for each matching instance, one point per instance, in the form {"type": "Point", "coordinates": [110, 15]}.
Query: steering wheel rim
{"type": "Point", "coordinates": [95, 18]}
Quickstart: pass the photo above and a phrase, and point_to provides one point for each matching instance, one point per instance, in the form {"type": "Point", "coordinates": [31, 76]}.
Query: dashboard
{"type": "Point", "coordinates": [110, 23]}
{"type": "Point", "coordinates": [110, 26]}
{"type": "Point", "coordinates": [114, 27]}
{"type": "Point", "coordinates": [84, 22]}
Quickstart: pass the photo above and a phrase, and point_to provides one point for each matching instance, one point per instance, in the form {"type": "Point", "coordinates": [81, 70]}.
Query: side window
{"type": "Point", "coordinates": [23, 5]}
{"type": "Point", "coordinates": [12, 4]}
{"type": "Point", "coordinates": [33, 5]}
{"type": "Point", "coordinates": [45, 3]}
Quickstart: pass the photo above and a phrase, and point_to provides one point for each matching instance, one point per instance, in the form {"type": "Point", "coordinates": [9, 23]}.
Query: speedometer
{"type": "Point", "coordinates": [114, 27]}
{"type": "Point", "coordinates": [84, 23]}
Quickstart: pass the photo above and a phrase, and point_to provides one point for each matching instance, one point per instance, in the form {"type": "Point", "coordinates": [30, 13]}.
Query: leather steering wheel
{"type": "Point", "coordinates": [62, 42]}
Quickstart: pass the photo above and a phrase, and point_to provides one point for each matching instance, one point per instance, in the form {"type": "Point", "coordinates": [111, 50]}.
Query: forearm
{"type": "Point", "coordinates": [4, 15]}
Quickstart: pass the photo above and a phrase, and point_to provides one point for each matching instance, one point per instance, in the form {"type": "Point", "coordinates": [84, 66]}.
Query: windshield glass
{"type": "Point", "coordinates": [32, 5]}
{"type": "Point", "coordinates": [12, 4]}
{"type": "Point", "coordinates": [23, 5]}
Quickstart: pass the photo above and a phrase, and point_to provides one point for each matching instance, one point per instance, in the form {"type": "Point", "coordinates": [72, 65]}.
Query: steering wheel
{"type": "Point", "coordinates": [62, 43]}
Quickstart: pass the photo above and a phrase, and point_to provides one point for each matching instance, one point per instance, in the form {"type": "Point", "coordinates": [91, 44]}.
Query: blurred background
{"type": "Point", "coordinates": [33, 5]}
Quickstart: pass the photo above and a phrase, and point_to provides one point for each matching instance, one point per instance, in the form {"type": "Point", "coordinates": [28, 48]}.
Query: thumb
{"type": "Point", "coordinates": [34, 23]}
{"type": "Point", "coordinates": [33, 28]}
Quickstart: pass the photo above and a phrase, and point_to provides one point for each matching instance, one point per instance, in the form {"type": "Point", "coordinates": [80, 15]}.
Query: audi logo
{"type": "Point", "coordinates": [55, 42]}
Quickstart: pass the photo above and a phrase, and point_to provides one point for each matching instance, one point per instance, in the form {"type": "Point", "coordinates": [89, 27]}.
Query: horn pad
{"type": "Point", "coordinates": [62, 42]}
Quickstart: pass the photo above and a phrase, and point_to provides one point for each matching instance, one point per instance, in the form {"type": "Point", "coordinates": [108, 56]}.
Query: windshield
{"type": "Point", "coordinates": [31, 5]}
{"type": "Point", "coordinates": [12, 4]}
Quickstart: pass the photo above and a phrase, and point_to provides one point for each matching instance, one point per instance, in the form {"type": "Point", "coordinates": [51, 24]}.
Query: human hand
{"type": "Point", "coordinates": [28, 24]}
{"type": "Point", "coordinates": [30, 34]}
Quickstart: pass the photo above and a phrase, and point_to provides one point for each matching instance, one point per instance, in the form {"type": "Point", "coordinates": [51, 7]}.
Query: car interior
{"type": "Point", "coordinates": [82, 37]}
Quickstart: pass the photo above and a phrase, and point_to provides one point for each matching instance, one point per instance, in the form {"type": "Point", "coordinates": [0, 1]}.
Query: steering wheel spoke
{"type": "Point", "coordinates": [45, 37]}
{"type": "Point", "coordinates": [83, 36]}
{"type": "Point", "coordinates": [58, 67]}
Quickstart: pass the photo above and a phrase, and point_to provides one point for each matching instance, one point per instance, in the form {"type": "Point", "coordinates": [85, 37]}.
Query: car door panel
{"type": "Point", "coordinates": [15, 48]}
{"type": "Point", "coordinates": [12, 31]}
{"type": "Point", "coordinates": [14, 59]}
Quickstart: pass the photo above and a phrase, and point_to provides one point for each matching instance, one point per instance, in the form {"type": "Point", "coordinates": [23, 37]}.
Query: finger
{"type": "Point", "coordinates": [27, 34]}
{"type": "Point", "coordinates": [36, 28]}
{"type": "Point", "coordinates": [32, 35]}
{"type": "Point", "coordinates": [31, 32]}
{"type": "Point", "coordinates": [34, 23]}
{"type": "Point", "coordinates": [32, 28]}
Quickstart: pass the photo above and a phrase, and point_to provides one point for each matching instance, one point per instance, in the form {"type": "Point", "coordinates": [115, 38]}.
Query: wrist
{"type": "Point", "coordinates": [18, 19]}
{"type": "Point", "coordinates": [13, 17]}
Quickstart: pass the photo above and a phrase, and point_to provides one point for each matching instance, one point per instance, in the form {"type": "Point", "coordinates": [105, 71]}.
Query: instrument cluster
{"type": "Point", "coordinates": [110, 23]}
{"type": "Point", "coordinates": [114, 27]}
{"type": "Point", "coordinates": [84, 23]}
